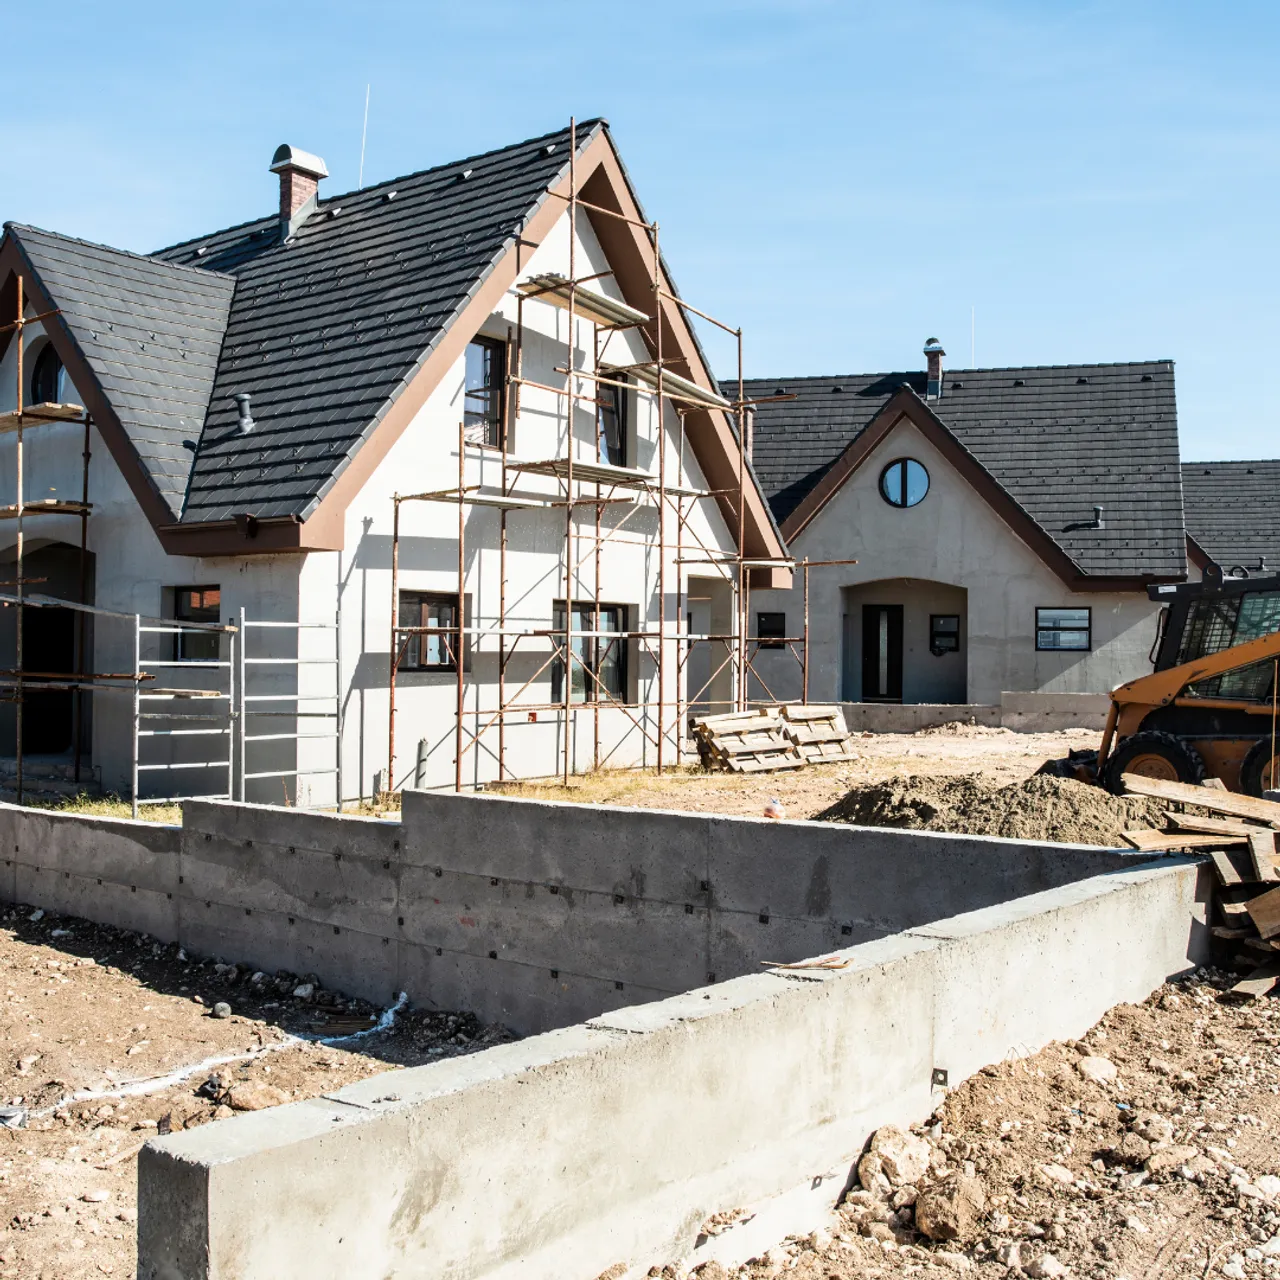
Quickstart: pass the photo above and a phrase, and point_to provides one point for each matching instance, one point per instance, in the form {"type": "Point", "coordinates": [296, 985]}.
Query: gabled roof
{"type": "Point", "coordinates": [150, 331]}
{"type": "Point", "coordinates": [1233, 511]}
{"type": "Point", "coordinates": [1057, 441]}
{"type": "Point", "coordinates": [339, 334]}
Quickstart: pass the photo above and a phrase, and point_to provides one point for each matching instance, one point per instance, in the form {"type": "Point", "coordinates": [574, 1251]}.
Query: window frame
{"type": "Point", "coordinates": [591, 651]}
{"type": "Point", "coordinates": [905, 462]}
{"type": "Point", "coordinates": [935, 633]}
{"type": "Point", "coordinates": [43, 354]}
{"type": "Point", "coordinates": [487, 430]}
{"type": "Point", "coordinates": [620, 407]}
{"type": "Point", "coordinates": [770, 639]}
{"type": "Point", "coordinates": [184, 641]}
{"type": "Point", "coordinates": [1087, 610]}
{"type": "Point", "coordinates": [414, 643]}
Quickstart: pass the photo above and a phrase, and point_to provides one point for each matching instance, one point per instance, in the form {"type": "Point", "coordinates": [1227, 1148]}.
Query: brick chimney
{"type": "Point", "coordinates": [933, 379]}
{"type": "Point", "coordinates": [300, 174]}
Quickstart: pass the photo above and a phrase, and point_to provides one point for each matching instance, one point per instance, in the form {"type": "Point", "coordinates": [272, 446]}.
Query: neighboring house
{"type": "Point", "coordinates": [257, 397]}
{"type": "Point", "coordinates": [1233, 517]}
{"type": "Point", "coordinates": [1006, 523]}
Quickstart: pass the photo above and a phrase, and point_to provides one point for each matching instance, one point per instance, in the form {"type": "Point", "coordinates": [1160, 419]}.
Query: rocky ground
{"type": "Point", "coordinates": [1150, 1150]}
{"type": "Point", "coordinates": [108, 1038]}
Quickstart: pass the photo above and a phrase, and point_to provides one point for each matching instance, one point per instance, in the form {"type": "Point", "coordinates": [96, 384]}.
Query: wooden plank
{"type": "Point", "coordinates": [1233, 911]}
{"type": "Point", "coordinates": [1149, 840]}
{"type": "Point", "coordinates": [1212, 826]}
{"type": "Point", "coordinates": [1226, 931]}
{"type": "Point", "coordinates": [1260, 981]}
{"type": "Point", "coordinates": [1230, 802]}
{"type": "Point", "coordinates": [1264, 911]}
{"type": "Point", "coordinates": [1262, 852]}
{"type": "Point", "coordinates": [1235, 867]}
{"type": "Point", "coordinates": [811, 712]}
{"type": "Point", "coordinates": [1214, 784]}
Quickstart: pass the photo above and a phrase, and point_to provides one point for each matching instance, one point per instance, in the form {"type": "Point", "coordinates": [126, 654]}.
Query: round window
{"type": "Point", "coordinates": [904, 483]}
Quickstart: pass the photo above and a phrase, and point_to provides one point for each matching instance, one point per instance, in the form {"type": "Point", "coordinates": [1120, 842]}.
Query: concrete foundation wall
{"type": "Point", "coordinates": [531, 914]}
{"type": "Point", "coordinates": [611, 1142]}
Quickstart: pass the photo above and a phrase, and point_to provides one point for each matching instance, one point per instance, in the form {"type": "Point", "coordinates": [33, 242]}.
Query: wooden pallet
{"type": "Point", "coordinates": [745, 742]}
{"type": "Point", "coordinates": [1242, 845]}
{"type": "Point", "coordinates": [818, 733]}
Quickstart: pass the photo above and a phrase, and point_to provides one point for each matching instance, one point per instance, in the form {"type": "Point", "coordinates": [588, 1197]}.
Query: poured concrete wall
{"type": "Point", "coordinates": [531, 914]}
{"type": "Point", "coordinates": [611, 1142]}
{"type": "Point", "coordinates": [1021, 712]}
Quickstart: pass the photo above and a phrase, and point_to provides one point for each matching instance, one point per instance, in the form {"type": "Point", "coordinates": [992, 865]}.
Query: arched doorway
{"type": "Point", "coordinates": [51, 642]}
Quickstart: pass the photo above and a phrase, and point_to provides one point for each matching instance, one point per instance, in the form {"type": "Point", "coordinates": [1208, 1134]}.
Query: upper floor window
{"type": "Point", "coordinates": [904, 483]}
{"type": "Point", "coordinates": [48, 377]}
{"type": "Point", "coordinates": [771, 629]}
{"type": "Point", "coordinates": [598, 669]}
{"type": "Point", "coordinates": [611, 423]}
{"type": "Point", "coordinates": [196, 604]}
{"type": "Point", "coordinates": [1064, 629]}
{"type": "Point", "coordinates": [486, 378]}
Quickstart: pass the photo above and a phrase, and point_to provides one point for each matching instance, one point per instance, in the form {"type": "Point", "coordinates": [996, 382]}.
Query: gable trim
{"type": "Point", "coordinates": [906, 404]}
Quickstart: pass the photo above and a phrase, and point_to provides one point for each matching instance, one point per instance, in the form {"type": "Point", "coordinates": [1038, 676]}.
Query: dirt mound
{"type": "Point", "coordinates": [963, 729]}
{"type": "Point", "coordinates": [1041, 808]}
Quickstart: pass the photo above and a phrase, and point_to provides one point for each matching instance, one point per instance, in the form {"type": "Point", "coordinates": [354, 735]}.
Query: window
{"type": "Point", "coordinates": [429, 651]}
{"type": "Point", "coordinates": [485, 387]}
{"type": "Point", "coordinates": [611, 423]}
{"type": "Point", "coordinates": [944, 633]}
{"type": "Point", "coordinates": [1063, 629]}
{"type": "Point", "coordinates": [904, 483]}
{"type": "Point", "coordinates": [1214, 625]}
{"type": "Point", "coordinates": [770, 629]}
{"type": "Point", "coordinates": [48, 377]}
{"type": "Point", "coordinates": [599, 666]}
{"type": "Point", "coordinates": [196, 604]}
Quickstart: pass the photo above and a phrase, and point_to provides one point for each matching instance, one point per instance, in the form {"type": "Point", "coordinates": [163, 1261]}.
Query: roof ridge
{"type": "Point", "coordinates": [1229, 462]}
{"type": "Point", "coordinates": [947, 372]}
{"type": "Point", "coordinates": [124, 253]}
{"type": "Point", "coordinates": [588, 125]}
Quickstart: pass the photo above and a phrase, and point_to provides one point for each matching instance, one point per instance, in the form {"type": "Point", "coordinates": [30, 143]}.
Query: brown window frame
{"type": "Point", "coordinates": [195, 646]}
{"type": "Point", "coordinates": [486, 427]}
{"type": "Point", "coordinates": [413, 645]}
{"type": "Point", "coordinates": [591, 652]}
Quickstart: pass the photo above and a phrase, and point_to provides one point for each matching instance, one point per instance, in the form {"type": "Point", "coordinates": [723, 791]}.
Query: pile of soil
{"type": "Point", "coordinates": [963, 729]}
{"type": "Point", "coordinates": [1039, 808]}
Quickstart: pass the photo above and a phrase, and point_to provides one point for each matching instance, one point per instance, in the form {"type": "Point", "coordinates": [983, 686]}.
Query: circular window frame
{"type": "Point", "coordinates": [905, 462]}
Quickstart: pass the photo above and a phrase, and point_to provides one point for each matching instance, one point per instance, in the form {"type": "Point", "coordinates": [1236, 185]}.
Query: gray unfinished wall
{"type": "Point", "coordinates": [611, 1142]}
{"type": "Point", "coordinates": [528, 913]}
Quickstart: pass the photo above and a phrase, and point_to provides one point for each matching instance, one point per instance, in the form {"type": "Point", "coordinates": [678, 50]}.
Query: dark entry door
{"type": "Point", "coordinates": [882, 653]}
{"type": "Point", "coordinates": [49, 645]}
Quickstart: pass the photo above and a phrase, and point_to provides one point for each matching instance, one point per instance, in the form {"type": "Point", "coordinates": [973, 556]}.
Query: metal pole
{"type": "Point", "coordinates": [137, 702]}
{"type": "Point", "coordinates": [389, 785]}
{"type": "Point", "coordinates": [741, 704]}
{"type": "Point", "coordinates": [241, 653]}
{"type": "Point", "coordinates": [804, 668]}
{"type": "Point", "coordinates": [20, 575]}
{"type": "Point", "coordinates": [662, 499]}
{"type": "Point", "coordinates": [569, 402]}
{"type": "Point", "coordinates": [337, 688]}
{"type": "Point", "coordinates": [462, 596]}
{"type": "Point", "coordinates": [232, 718]}
{"type": "Point", "coordinates": [82, 617]}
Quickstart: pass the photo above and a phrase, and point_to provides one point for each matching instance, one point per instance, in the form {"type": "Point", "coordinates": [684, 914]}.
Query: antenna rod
{"type": "Point", "coordinates": [973, 337]}
{"type": "Point", "coordinates": [364, 134]}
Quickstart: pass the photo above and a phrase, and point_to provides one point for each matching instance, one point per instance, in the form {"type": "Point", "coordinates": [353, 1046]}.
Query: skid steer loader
{"type": "Point", "coordinates": [1208, 709]}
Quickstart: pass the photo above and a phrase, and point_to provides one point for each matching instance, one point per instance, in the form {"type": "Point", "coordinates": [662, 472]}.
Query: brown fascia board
{"type": "Point", "coordinates": [905, 403]}
{"type": "Point", "coordinates": [711, 437]}
{"type": "Point", "coordinates": [14, 263]}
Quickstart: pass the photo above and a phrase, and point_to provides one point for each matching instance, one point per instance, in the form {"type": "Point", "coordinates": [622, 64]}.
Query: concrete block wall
{"type": "Point", "coordinates": [528, 913]}
{"type": "Point", "coordinates": [613, 1141]}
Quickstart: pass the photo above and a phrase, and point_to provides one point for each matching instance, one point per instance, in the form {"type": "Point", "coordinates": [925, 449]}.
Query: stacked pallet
{"type": "Point", "coordinates": [783, 737]}
{"type": "Point", "coordinates": [1242, 845]}
{"type": "Point", "coordinates": [745, 742]}
{"type": "Point", "coordinates": [817, 733]}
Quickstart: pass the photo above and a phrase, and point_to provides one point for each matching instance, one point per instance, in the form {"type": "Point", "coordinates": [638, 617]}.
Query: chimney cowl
{"type": "Point", "coordinates": [933, 353]}
{"type": "Point", "coordinates": [300, 173]}
{"type": "Point", "coordinates": [242, 407]}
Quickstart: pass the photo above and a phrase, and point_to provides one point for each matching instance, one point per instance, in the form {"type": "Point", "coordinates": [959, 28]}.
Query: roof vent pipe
{"type": "Point", "coordinates": [246, 418]}
{"type": "Point", "coordinates": [933, 379]}
{"type": "Point", "coordinates": [1098, 521]}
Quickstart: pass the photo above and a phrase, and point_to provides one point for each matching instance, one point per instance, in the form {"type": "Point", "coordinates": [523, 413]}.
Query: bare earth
{"type": "Point", "coordinates": [95, 1019]}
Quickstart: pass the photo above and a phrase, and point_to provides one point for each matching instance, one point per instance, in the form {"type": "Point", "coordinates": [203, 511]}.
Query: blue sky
{"type": "Point", "coordinates": [1095, 181]}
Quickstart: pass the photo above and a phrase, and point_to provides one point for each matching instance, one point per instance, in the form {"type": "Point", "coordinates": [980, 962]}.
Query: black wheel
{"type": "Point", "coordinates": [1259, 770]}
{"type": "Point", "coordinates": [1154, 755]}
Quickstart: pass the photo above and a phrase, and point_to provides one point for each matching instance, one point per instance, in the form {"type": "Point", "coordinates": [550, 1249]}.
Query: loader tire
{"type": "Point", "coordinates": [1257, 772]}
{"type": "Point", "coordinates": [1154, 755]}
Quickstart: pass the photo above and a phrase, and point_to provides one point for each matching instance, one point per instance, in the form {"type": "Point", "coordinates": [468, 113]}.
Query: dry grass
{"type": "Point", "coordinates": [111, 807]}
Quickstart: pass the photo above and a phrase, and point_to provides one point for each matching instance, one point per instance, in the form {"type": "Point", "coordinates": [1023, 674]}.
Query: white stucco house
{"type": "Point", "coordinates": [1006, 524]}
{"type": "Point", "coordinates": [256, 397]}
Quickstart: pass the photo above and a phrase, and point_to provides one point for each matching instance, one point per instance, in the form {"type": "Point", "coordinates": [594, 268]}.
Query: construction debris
{"type": "Point", "coordinates": [781, 737]}
{"type": "Point", "coordinates": [1245, 861]}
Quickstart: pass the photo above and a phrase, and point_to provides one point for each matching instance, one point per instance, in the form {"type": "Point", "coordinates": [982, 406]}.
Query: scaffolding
{"type": "Point", "coordinates": [588, 487]}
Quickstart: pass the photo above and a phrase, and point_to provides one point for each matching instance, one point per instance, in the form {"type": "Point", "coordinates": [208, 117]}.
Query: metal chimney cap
{"type": "Point", "coordinates": [931, 345]}
{"type": "Point", "coordinates": [246, 418]}
{"type": "Point", "coordinates": [287, 157]}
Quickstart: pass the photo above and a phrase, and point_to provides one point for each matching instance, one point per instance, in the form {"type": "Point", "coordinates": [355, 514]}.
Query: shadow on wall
{"type": "Point", "coordinates": [905, 640]}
